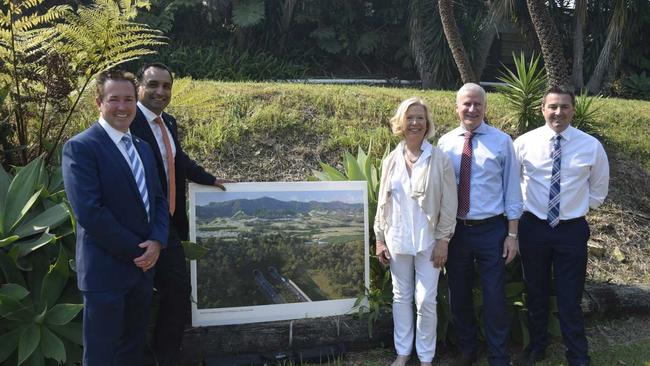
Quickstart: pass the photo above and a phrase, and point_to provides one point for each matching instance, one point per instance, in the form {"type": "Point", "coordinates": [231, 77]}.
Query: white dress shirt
{"type": "Point", "coordinates": [584, 173]}
{"type": "Point", "coordinates": [116, 137]}
{"type": "Point", "coordinates": [409, 232]}
{"type": "Point", "coordinates": [157, 133]}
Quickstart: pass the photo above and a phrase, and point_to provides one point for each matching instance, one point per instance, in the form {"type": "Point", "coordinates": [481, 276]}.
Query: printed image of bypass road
{"type": "Point", "coordinates": [280, 288]}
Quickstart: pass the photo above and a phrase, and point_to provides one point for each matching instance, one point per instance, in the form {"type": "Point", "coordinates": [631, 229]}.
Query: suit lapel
{"type": "Point", "coordinates": [143, 130]}
{"type": "Point", "coordinates": [123, 165]}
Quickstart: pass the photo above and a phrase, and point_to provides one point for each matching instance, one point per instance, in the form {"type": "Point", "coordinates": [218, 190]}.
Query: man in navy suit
{"type": "Point", "coordinates": [112, 184]}
{"type": "Point", "coordinates": [160, 130]}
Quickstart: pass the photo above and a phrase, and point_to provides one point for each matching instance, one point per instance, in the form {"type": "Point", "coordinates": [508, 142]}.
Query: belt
{"type": "Point", "coordinates": [533, 216]}
{"type": "Point", "coordinates": [489, 220]}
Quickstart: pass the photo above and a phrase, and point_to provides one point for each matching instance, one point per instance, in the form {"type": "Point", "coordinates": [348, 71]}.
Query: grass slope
{"type": "Point", "coordinates": [280, 132]}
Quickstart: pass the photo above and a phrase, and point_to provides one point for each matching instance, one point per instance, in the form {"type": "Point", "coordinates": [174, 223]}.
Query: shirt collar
{"type": "Point", "coordinates": [480, 130]}
{"type": "Point", "coordinates": [115, 135]}
{"type": "Point", "coordinates": [426, 149]}
{"type": "Point", "coordinates": [148, 114]}
{"type": "Point", "coordinates": [567, 134]}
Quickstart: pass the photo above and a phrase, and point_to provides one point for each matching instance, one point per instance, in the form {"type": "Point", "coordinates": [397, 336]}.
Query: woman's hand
{"type": "Point", "coordinates": [381, 250]}
{"type": "Point", "coordinates": [439, 255]}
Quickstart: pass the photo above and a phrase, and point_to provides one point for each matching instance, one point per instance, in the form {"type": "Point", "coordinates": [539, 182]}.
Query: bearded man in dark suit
{"type": "Point", "coordinates": [175, 168]}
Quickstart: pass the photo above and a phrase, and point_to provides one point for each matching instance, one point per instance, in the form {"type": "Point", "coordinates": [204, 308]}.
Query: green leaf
{"type": "Point", "coordinates": [10, 270]}
{"type": "Point", "coordinates": [56, 181]}
{"type": "Point", "coordinates": [9, 306]}
{"type": "Point", "coordinates": [70, 331]}
{"type": "Point", "coordinates": [319, 175]}
{"type": "Point", "coordinates": [332, 173]}
{"type": "Point", "coordinates": [352, 168]}
{"type": "Point", "coordinates": [36, 359]}
{"type": "Point", "coordinates": [246, 13]}
{"type": "Point", "coordinates": [14, 291]}
{"type": "Point", "coordinates": [28, 246]}
{"type": "Point", "coordinates": [32, 200]}
{"type": "Point", "coordinates": [20, 192]}
{"type": "Point", "coordinates": [9, 343]}
{"type": "Point", "coordinates": [62, 314]}
{"type": "Point", "coordinates": [56, 279]}
{"type": "Point", "coordinates": [5, 182]}
{"type": "Point", "coordinates": [28, 341]}
{"type": "Point", "coordinates": [52, 346]}
{"type": "Point", "coordinates": [194, 251]}
{"type": "Point", "coordinates": [8, 240]}
{"type": "Point", "coordinates": [50, 218]}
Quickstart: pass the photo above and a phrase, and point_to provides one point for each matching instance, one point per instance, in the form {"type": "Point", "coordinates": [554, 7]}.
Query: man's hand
{"type": "Point", "coordinates": [218, 182]}
{"type": "Point", "coordinates": [439, 255]}
{"type": "Point", "coordinates": [151, 253]}
{"type": "Point", "coordinates": [382, 252]}
{"type": "Point", "coordinates": [510, 249]}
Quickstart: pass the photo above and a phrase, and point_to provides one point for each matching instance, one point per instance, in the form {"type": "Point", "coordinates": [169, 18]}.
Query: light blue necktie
{"type": "Point", "coordinates": [138, 171]}
{"type": "Point", "coordinates": [553, 216]}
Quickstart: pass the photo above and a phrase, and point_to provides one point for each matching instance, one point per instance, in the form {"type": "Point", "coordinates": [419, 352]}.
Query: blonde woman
{"type": "Point", "coordinates": [416, 216]}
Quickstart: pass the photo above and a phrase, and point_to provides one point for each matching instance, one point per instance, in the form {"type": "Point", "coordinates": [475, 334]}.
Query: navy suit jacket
{"type": "Point", "coordinates": [186, 168]}
{"type": "Point", "coordinates": [111, 217]}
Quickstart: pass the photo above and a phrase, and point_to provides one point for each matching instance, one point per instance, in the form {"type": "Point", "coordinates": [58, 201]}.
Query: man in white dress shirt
{"type": "Point", "coordinates": [564, 173]}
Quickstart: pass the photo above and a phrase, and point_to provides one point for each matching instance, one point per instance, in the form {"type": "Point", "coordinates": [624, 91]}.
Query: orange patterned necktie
{"type": "Point", "coordinates": [171, 168]}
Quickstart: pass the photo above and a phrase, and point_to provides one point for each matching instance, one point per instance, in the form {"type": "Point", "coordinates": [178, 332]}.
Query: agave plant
{"type": "Point", "coordinates": [523, 91]}
{"type": "Point", "coordinates": [35, 269]}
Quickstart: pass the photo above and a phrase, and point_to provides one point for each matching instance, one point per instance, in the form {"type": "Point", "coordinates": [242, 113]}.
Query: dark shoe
{"type": "Point", "coordinates": [464, 360]}
{"type": "Point", "coordinates": [529, 356]}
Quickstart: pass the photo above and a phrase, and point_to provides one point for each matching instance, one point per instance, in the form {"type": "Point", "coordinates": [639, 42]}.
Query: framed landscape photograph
{"type": "Point", "coordinates": [278, 251]}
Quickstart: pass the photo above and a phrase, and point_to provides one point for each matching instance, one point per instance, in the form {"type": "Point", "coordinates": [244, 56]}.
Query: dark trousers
{"type": "Point", "coordinates": [115, 325]}
{"type": "Point", "coordinates": [564, 248]}
{"type": "Point", "coordinates": [173, 285]}
{"type": "Point", "coordinates": [482, 245]}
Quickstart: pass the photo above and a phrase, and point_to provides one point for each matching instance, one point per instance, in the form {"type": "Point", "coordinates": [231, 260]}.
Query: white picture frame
{"type": "Point", "coordinates": [311, 218]}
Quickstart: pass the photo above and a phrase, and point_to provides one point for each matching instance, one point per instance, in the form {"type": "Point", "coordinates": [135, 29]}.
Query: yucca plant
{"type": "Point", "coordinates": [523, 92]}
{"type": "Point", "coordinates": [586, 111]}
{"type": "Point", "coordinates": [35, 269]}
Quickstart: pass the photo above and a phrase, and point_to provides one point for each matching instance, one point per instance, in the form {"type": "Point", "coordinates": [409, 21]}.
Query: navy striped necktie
{"type": "Point", "coordinates": [138, 171]}
{"type": "Point", "coordinates": [553, 217]}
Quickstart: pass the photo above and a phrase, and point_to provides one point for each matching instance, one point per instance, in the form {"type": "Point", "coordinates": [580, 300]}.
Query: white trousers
{"type": "Point", "coordinates": [414, 277]}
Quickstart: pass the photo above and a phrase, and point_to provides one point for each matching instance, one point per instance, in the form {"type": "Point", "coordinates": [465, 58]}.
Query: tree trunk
{"type": "Point", "coordinates": [418, 14]}
{"type": "Point", "coordinates": [455, 42]}
{"type": "Point", "coordinates": [578, 44]}
{"type": "Point", "coordinates": [285, 23]}
{"type": "Point", "coordinates": [614, 35]}
{"type": "Point", "coordinates": [549, 40]}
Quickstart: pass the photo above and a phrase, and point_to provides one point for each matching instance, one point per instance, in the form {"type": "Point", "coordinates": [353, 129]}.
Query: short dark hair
{"type": "Point", "coordinates": [559, 89]}
{"type": "Point", "coordinates": [113, 74]}
{"type": "Point", "coordinates": [159, 65]}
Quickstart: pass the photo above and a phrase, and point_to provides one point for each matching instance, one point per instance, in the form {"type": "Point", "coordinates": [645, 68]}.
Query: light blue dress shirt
{"type": "Point", "coordinates": [494, 183]}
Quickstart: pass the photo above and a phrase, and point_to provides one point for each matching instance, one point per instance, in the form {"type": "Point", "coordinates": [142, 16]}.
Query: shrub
{"type": "Point", "coordinates": [523, 91]}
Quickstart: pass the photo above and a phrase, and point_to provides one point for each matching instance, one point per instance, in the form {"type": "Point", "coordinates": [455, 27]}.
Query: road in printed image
{"type": "Point", "coordinates": [279, 247]}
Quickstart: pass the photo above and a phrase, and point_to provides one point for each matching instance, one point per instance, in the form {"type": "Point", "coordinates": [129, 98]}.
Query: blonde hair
{"type": "Point", "coordinates": [398, 121]}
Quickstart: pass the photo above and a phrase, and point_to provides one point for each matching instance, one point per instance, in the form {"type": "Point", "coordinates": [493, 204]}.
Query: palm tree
{"type": "Point", "coordinates": [578, 43]}
{"type": "Point", "coordinates": [613, 41]}
{"type": "Point", "coordinates": [455, 41]}
{"type": "Point", "coordinates": [549, 40]}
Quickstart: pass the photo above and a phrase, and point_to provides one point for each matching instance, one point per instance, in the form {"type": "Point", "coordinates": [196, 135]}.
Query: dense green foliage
{"type": "Point", "coordinates": [38, 302]}
{"type": "Point", "coordinates": [48, 58]}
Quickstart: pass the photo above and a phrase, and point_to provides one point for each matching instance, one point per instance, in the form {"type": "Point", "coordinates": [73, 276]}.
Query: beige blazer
{"type": "Point", "coordinates": [434, 189]}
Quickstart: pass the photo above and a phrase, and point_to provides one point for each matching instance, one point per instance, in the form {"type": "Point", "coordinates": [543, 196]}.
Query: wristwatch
{"type": "Point", "coordinates": [514, 235]}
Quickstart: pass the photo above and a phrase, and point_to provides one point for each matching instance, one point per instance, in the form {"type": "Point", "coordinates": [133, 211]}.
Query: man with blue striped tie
{"type": "Point", "coordinates": [112, 184]}
{"type": "Point", "coordinates": [564, 173]}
